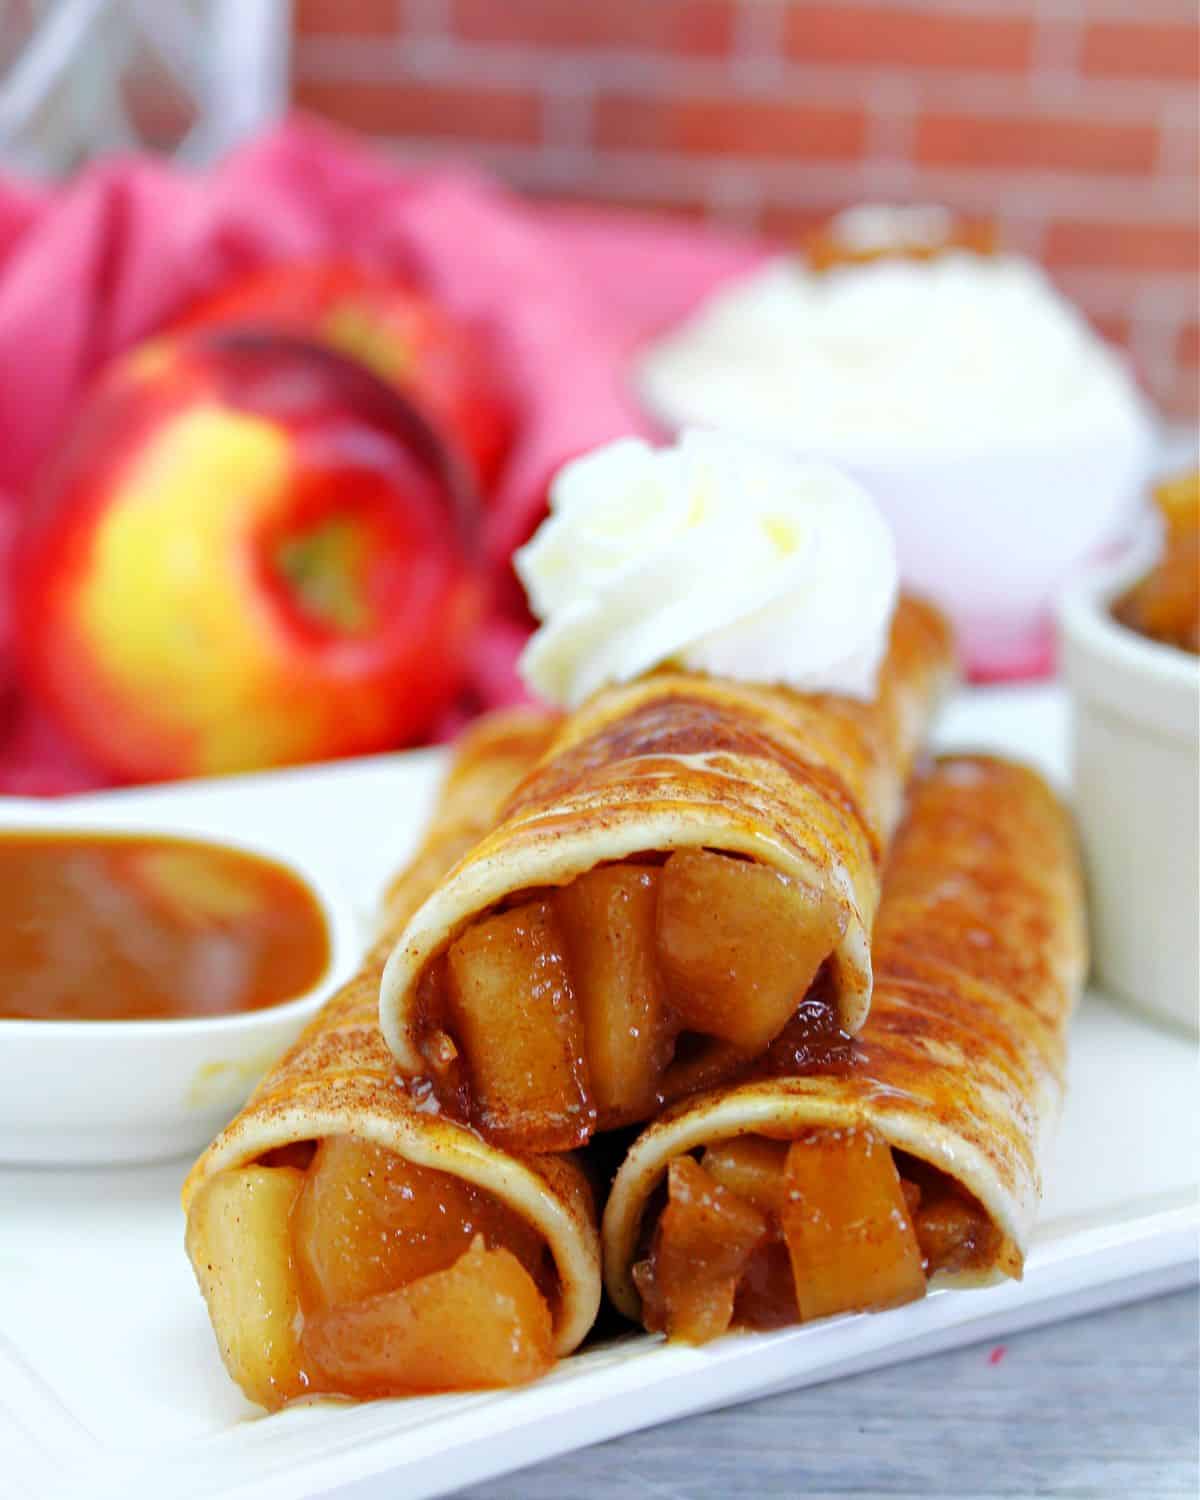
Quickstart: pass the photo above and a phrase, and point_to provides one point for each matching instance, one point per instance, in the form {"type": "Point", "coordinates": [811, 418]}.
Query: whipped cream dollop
{"type": "Point", "coordinates": [961, 353]}
{"type": "Point", "coordinates": [715, 555]}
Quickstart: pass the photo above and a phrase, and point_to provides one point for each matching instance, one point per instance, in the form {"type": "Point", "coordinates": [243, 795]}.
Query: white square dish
{"type": "Point", "coordinates": [110, 1382]}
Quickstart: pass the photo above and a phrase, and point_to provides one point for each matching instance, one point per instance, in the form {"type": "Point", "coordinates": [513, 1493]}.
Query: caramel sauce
{"type": "Point", "coordinates": [812, 1041]}
{"type": "Point", "coordinates": [123, 927]}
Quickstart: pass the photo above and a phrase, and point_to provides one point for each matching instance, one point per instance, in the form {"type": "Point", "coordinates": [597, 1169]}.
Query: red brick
{"type": "Point", "coordinates": [1118, 297]}
{"type": "Point", "coordinates": [1141, 49]}
{"type": "Point", "coordinates": [406, 108]}
{"type": "Point", "coordinates": [344, 18]}
{"type": "Point", "coordinates": [788, 224]}
{"type": "Point", "coordinates": [748, 127]}
{"type": "Point", "coordinates": [1115, 328]}
{"type": "Point", "coordinates": [908, 38]}
{"type": "Point", "coordinates": [1181, 149]}
{"type": "Point", "coordinates": [1054, 143]}
{"type": "Point", "coordinates": [1178, 392]}
{"type": "Point", "coordinates": [584, 195]}
{"type": "Point", "coordinates": [1145, 247]}
{"type": "Point", "coordinates": [690, 27]}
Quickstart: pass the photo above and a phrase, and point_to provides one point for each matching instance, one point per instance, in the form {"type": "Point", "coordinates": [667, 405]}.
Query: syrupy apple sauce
{"type": "Point", "coordinates": [759, 1233]}
{"type": "Point", "coordinates": [590, 1006]}
{"type": "Point", "coordinates": [342, 1268]}
{"type": "Point", "coordinates": [125, 926]}
{"type": "Point", "coordinates": [1164, 606]}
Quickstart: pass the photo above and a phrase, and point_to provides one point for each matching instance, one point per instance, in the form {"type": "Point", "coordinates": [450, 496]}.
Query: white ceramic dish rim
{"type": "Point", "coordinates": [66, 816]}
{"type": "Point", "coordinates": [1085, 614]}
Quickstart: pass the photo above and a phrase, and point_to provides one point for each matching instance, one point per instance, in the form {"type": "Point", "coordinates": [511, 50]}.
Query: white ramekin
{"type": "Point", "coordinates": [991, 533]}
{"type": "Point", "coordinates": [1136, 754]}
{"type": "Point", "coordinates": [994, 536]}
{"type": "Point", "coordinates": [75, 1093]}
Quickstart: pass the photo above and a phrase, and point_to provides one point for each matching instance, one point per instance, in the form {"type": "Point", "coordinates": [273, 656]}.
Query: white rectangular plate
{"type": "Point", "coordinates": [110, 1384]}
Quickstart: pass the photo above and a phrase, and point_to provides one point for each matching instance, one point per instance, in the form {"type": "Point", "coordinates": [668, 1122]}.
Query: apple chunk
{"type": "Point", "coordinates": [739, 944]}
{"type": "Point", "coordinates": [766, 1294]}
{"type": "Point", "coordinates": [239, 1242]}
{"type": "Point", "coordinates": [608, 920]}
{"type": "Point", "coordinates": [847, 1225]}
{"type": "Point", "coordinates": [952, 1232]}
{"type": "Point", "coordinates": [369, 1221]}
{"type": "Point", "coordinates": [750, 1166]}
{"type": "Point", "coordinates": [703, 1243]}
{"type": "Point", "coordinates": [512, 1008]}
{"type": "Point", "coordinates": [481, 1322]}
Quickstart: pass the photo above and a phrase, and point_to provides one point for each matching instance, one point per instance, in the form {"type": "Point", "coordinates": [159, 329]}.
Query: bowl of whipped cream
{"type": "Point", "coordinates": [1004, 441]}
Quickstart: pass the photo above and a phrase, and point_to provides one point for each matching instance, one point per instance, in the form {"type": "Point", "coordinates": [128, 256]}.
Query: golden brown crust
{"type": "Point", "coordinates": [339, 1077]}
{"type": "Point", "coordinates": [490, 758]}
{"type": "Point", "coordinates": [980, 955]}
{"type": "Point", "coordinates": [811, 785]}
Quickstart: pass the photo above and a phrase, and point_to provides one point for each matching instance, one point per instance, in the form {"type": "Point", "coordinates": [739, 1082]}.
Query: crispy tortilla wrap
{"type": "Point", "coordinates": [376, 1262]}
{"type": "Point", "coordinates": [915, 1149]}
{"type": "Point", "coordinates": [659, 895]}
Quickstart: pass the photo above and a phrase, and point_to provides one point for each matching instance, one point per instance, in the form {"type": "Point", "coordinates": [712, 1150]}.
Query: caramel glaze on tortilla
{"type": "Point", "coordinates": [810, 785]}
{"type": "Point", "coordinates": [845, 749]}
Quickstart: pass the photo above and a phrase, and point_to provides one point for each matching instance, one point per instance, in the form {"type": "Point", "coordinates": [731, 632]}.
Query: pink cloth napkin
{"type": "Point", "coordinates": [90, 267]}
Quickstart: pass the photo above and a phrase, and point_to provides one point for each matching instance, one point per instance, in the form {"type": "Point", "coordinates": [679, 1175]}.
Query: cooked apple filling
{"type": "Point", "coordinates": [363, 1274]}
{"type": "Point", "coordinates": [590, 1006]}
{"type": "Point", "coordinates": [760, 1233]}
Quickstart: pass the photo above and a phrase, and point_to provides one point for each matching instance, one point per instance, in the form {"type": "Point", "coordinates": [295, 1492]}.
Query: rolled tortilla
{"type": "Point", "coordinates": [808, 787]}
{"type": "Point", "coordinates": [339, 1080]}
{"type": "Point", "coordinates": [490, 759]}
{"type": "Point", "coordinates": [980, 955]}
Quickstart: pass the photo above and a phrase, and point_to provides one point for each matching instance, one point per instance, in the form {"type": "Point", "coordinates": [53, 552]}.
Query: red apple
{"type": "Point", "coordinates": [395, 329]}
{"type": "Point", "coordinates": [249, 552]}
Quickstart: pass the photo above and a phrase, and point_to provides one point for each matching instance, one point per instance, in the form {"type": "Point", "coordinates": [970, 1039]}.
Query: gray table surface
{"type": "Point", "coordinates": [1103, 1406]}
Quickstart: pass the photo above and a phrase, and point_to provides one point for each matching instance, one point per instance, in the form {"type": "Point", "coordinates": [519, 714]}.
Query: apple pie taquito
{"type": "Point", "coordinates": [348, 1238]}
{"type": "Point", "coordinates": [693, 860]}
{"type": "Point", "coordinates": [845, 1178]}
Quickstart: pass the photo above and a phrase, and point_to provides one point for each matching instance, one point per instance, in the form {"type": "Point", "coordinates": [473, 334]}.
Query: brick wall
{"type": "Point", "coordinates": [1073, 121]}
